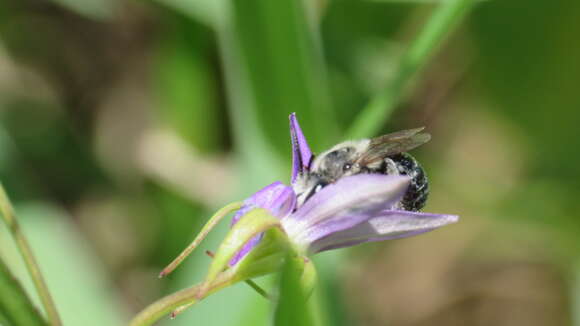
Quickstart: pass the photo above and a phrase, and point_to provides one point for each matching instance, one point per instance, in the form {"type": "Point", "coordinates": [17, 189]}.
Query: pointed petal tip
{"type": "Point", "coordinates": [443, 219]}
{"type": "Point", "coordinates": [301, 153]}
{"type": "Point", "coordinates": [389, 225]}
{"type": "Point", "coordinates": [452, 218]}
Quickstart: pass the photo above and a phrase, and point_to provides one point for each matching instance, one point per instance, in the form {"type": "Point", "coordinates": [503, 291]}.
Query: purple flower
{"type": "Point", "coordinates": [319, 211]}
{"type": "Point", "coordinates": [354, 209]}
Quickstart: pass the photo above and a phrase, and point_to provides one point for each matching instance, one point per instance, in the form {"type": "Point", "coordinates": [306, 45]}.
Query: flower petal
{"type": "Point", "coordinates": [277, 198]}
{"type": "Point", "coordinates": [246, 249]}
{"type": "Point", "coordinates": [301, 154]}
{"type": "Point", "coordinates": [346, 203]}
{"type": "Point", "coordinates": [388, 225]}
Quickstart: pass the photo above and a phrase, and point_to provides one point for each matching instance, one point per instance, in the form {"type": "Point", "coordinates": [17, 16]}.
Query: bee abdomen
{"type": "Point", "coordinates": [418, 191]}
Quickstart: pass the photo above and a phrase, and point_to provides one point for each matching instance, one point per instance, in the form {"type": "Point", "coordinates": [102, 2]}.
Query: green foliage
{"type": "Point", "coordinates": [282, 61]}
{"type": "Point", "coordinates": [499, 97]}
{"type": "Point", "coordinates": [444, 18]}
{"type": "Point", "coordinates": [186, 83]}
{"type": "Point", "coordinates": [76, 277]}
{"type": "Point", "coordinates": [15, 305]}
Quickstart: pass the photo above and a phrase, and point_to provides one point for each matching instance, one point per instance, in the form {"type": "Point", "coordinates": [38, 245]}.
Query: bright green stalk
{"type": "Point", "coordinates": [14, 303]}
{"type": "Point", "coordinates": [440, 24]}
{"type": "Point", "coordinates": [7, 212]}
{"type": "Point", "coordinates": [251, 283]}
{"type": "Point", "coordinates": [296, 283]}
{"type": "Point", "coordinates": [170, 303]}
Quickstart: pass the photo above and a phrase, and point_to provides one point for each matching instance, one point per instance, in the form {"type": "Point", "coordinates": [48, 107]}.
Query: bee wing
{"type": "Point", "coordinates": [394, 143]}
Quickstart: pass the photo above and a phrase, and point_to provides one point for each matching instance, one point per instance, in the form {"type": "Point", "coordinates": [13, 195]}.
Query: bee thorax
{"type": "Point", "coordinates": [380, 155]}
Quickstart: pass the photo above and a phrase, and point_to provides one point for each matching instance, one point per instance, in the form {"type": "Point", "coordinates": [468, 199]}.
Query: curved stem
{"type": "Point", "coordinates": [7, 212]}
{"type": "Point", "coordinates": [439, 25]}
{"type": "Point", "coordinates": [251, 283]}
{"type": "Point", "coordinates": [211, 223]}
{"type": "Point", "coordinates": [164, 306]}
{"type": "Point", "coordinates": [185, 297]}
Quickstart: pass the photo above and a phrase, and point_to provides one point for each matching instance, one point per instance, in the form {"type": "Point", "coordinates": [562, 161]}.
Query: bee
{"type": "Point", "coordinates": [385, 155]}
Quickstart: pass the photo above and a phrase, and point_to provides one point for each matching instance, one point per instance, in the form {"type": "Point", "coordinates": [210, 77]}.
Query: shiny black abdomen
{"type": "Point", "coordinates": [418, 191]}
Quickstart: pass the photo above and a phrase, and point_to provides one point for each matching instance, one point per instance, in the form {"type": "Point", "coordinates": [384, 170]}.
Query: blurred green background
{"type": "Point", "coordinates": [125, 124]}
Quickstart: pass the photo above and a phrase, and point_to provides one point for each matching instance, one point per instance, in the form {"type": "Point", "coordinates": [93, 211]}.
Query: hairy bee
{"type": "Point", "coordinates": [385, 154]}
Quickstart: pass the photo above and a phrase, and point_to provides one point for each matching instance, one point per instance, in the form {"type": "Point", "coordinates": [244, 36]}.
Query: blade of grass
{"type": "Point", "coordinates": [186, 87]}
{"type": "Point", "coordinates": [281, 60]}
{"type": "Point", "coordinates": [77, 279]}
{"type": "Point", "coordinates": [15, 305]}
{"type": "Point", "coordinates": [7, 212]}
{"type": "Point", "coordinates": [440, 24]}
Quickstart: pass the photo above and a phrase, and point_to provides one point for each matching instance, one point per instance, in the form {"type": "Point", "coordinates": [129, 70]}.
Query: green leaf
{"type": "Point", "coordinates": [186, 85]}
{"type": "Point", "coordinates": [74, 275]}
{"type": "Point", "coordinates": [283, 68]}
{"type": "Point", "coordinates": [15, 305]}
{"type": "Point", "coordinates": [208, 12]}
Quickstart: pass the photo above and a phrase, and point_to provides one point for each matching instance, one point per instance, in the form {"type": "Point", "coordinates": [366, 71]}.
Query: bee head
{"type": "Point", "coordinates": [340, 160]}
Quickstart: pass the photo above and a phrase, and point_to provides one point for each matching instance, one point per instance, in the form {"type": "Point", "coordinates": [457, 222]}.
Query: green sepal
{"type": "Point", "coordinates": [250, 225]}
{"type": "Point", "coordinates": [266, 257]}
{"type": "Point", "coordinates": [269, 256]}
{"type": "Point", "coordinates": [309, 276]}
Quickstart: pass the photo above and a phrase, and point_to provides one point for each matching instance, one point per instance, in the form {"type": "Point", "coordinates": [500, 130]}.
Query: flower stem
{"type": "Point", "coordinates": [185, 297]}
{"type": "Point", "coordinates": [164, 306]}
{"type": "Point", "coordinates": [250, 283]}
{"type": "Point", "coordinates": [440, 24]}
{"type": "Point", "coordinates": [7, 212]}
{"type": "Point", "coordinates": [213, 221]}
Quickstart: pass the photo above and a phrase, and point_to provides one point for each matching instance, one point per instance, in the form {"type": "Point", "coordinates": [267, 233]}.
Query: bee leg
{"type": "Point", "coordinates": [391, 167]}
